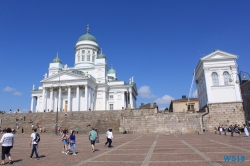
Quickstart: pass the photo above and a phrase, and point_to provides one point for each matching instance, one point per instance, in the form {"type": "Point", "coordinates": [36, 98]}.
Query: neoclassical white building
{"type": "Point", "coordinates": [219, 92]}
{"type": "Point", "coordinates": [88, 85]}
{"type": "Point", "coordinates": [217, 80]}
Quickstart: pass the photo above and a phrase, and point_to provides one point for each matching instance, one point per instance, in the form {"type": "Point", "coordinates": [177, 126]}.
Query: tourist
{"type": "Point", "coordinates": [22, 131]}
{"type": "Point", "coordinates": [72, 142]}
{"type": "Point", "coordinates": [7, 142]}
{"type": "Point", "coordinates": [110, 137]}
{"type": "Point", "coordinates": [65, 115]}
{"type": "Point", "coordinates": [92, 138]}
{"type": "Point", "coordinates": [10, 111]}
{"type": "Point", "coordinates": [32, 126]}
{"type": "Point", "coordinates": [34, 142]}
{"type": "Point", "coordinates": [107, 133]}
{"type": "Point", "coordinates": [236, 129]}
{"type": "Point", "coordinates": [246, 130]}
{"type": "Point", "coordinates": [40, 129]}
{"type": "Point", "coordinates": [64, 141]}
{"type": "Point", "coordinates": [24, 118]}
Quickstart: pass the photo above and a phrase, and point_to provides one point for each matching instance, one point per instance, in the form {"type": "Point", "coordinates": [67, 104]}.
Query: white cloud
{"type": "Point", "coordinates": [166, 99]}
{"type": "Point", "coordinates": [17, 93]}
{"type": "Point", "coordinates": [195, 94]}
{"type": "Point", "coordinates": [8, 89]}
{"type": "Point", "coordinates": [145, 92]}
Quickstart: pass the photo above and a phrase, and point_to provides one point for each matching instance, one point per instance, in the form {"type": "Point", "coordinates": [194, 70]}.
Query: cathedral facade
{"type": "Point", "coordinates": [86, 86]}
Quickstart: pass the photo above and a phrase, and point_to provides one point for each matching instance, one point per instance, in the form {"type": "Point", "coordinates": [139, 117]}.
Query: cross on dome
{"type": "Point", "coordinates": [88, 29]}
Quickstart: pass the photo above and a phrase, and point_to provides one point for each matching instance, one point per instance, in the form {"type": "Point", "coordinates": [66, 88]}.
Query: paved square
{"type": "Point", "coordinates": [136, 150]}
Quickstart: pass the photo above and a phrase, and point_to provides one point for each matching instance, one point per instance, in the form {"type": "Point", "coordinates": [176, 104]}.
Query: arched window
{"type": "Point", "coordinates": [88, 57]}
{"type": "Point", "coordinates": [215, 79]}
{"type": "Point", "coordinates": [226, 77]}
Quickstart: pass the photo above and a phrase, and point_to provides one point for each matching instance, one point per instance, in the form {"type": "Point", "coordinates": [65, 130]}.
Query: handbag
{"type": "Point", "coordinates": [97, 139]}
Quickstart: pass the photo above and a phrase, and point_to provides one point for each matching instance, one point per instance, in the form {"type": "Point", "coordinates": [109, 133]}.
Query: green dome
{"type": "Point", "coordinates": [87, 36]}
{"type": "Point", "coordinates": [111, 71]}
{"type": "Point", "coordinates": [57, 60]}
{"type": "Point", "coordinates": [100, 56]}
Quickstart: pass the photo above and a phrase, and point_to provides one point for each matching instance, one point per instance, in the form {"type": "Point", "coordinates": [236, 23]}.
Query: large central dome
{"type": "Point", "coordinates": [87, 36]}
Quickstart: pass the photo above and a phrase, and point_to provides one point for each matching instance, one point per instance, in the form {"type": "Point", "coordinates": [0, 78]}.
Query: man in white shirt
{"type": "Point", "coordinates": [7, 142]}
{"type": "Point", "coordinates": [107, 138]}
{"type": "Point", "coordinates": [110, 137]}
{"type": "Point", "coordinates": [35, 144]}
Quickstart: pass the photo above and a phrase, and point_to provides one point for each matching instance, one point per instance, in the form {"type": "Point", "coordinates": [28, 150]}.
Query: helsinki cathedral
{"type": "Point", "coordinates": [87, 86]}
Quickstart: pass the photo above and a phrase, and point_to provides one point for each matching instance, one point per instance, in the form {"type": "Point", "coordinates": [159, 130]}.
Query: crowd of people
{"type": "Point", "coordinates": [234, 129]}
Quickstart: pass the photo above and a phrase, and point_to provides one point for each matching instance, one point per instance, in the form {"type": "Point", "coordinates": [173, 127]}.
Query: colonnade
{"type": "Point", "coordinates": [55, 96]}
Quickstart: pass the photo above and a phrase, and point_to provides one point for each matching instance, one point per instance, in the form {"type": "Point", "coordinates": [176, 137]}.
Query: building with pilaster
{"type": "Point", "coordinates": [218, 88]}
{"type": "Point", "coordinates": [88, 85]}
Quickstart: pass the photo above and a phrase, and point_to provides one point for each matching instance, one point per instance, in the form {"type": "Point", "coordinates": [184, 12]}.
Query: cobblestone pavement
{"type": "Point", "coordinates": [135, 149]}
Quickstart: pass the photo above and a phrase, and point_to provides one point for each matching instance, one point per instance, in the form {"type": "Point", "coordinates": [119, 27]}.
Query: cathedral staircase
{"type": "Point", "coordinates": [102, 120]}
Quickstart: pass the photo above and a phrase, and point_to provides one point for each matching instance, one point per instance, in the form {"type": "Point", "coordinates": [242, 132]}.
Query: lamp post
{"type": "Point", "coordinates": [59, 86]}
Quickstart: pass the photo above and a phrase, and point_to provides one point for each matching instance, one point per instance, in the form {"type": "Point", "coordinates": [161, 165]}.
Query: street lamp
{"type": "Point", "coordinates": [59, 86]}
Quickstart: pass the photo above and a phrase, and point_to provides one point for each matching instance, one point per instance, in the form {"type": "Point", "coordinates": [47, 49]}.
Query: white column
{"type": "Point", "coordinates": [69, 99]}
{"type": "Point", "coordinates": [115, 99]}
{"type": "Point", "coordinates": [32, 103]}
{"type": "Point", "coordinates": [77, 99]}
{"type": "Point", "coordinates": [59, 99]}
{"type": "Point", "coordinates": [104, 100]}
{"type": "Point", "coordinates": [90, 98]}
{"type": "Point", "coordinates": [123, 102]}
{"type": "Point", "coordinates": [131, 98]}
{"type": "Point", "coordinates": [43, 100]}
{"type": "Point", "coordinates": [86, 98]}
{"type": "Point", "coordinates": [46, 98]}
{"type": "Point", "coordinates": [51, 99]}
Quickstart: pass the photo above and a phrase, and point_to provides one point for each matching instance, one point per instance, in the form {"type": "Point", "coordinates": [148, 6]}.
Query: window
{"type": "Point", "coordinates": [111, 106]}
{"type": "Point", "coordinates": [83, 57]}
{"type": "Point", "coordinates": [111, 97]}
{"type": "Point", "coordinates": [215, 79]}
{"type": "Point", "coordinates": [88, 57]}
{"type": "Point", "coordinates": [83, 51]}
{"type": "Point", "coordinates": [226, 77]}
{"type": "Point", "coordinates": [93, 58]}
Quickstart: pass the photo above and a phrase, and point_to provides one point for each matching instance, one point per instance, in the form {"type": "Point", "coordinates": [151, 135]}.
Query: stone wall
{"type": "Point", "coordinates": [134, 121]}
{"type": "Point", "coordinates": [147, 121]}
{"type": "Point", "coordinates": [224, 114]}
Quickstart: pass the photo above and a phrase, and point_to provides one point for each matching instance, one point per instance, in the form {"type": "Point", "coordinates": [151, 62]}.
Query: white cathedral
{"type": "Point", "coordinates": [89, 85]}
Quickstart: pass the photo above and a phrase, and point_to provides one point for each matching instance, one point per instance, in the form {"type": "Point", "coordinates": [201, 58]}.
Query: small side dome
{"type": "Point", "coordinates": [57, 60]}
{"type": "Point", "coordinates": [100, 56]}
{"type": "Point", "coordinates": [111, 71]}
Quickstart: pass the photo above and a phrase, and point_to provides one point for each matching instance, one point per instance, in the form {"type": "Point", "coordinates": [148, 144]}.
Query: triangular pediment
{"type": "Point", "coordinates": [219, 55]}
{"type": "Point", "coordinates": [64, 76]}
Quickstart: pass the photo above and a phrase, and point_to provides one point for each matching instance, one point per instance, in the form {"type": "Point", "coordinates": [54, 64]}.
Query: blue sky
{"type": "Point", "coordinates": [158, 42]}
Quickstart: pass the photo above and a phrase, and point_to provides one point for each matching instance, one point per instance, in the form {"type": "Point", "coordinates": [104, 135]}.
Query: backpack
{"type": "Point", "coordinates": [37, 139]}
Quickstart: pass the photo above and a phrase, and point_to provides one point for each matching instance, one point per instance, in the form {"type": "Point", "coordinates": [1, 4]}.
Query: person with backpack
{"type": "Point", "coordinates": [7, 142]}
{"type": "Point", "coordinates": [35, 139]}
